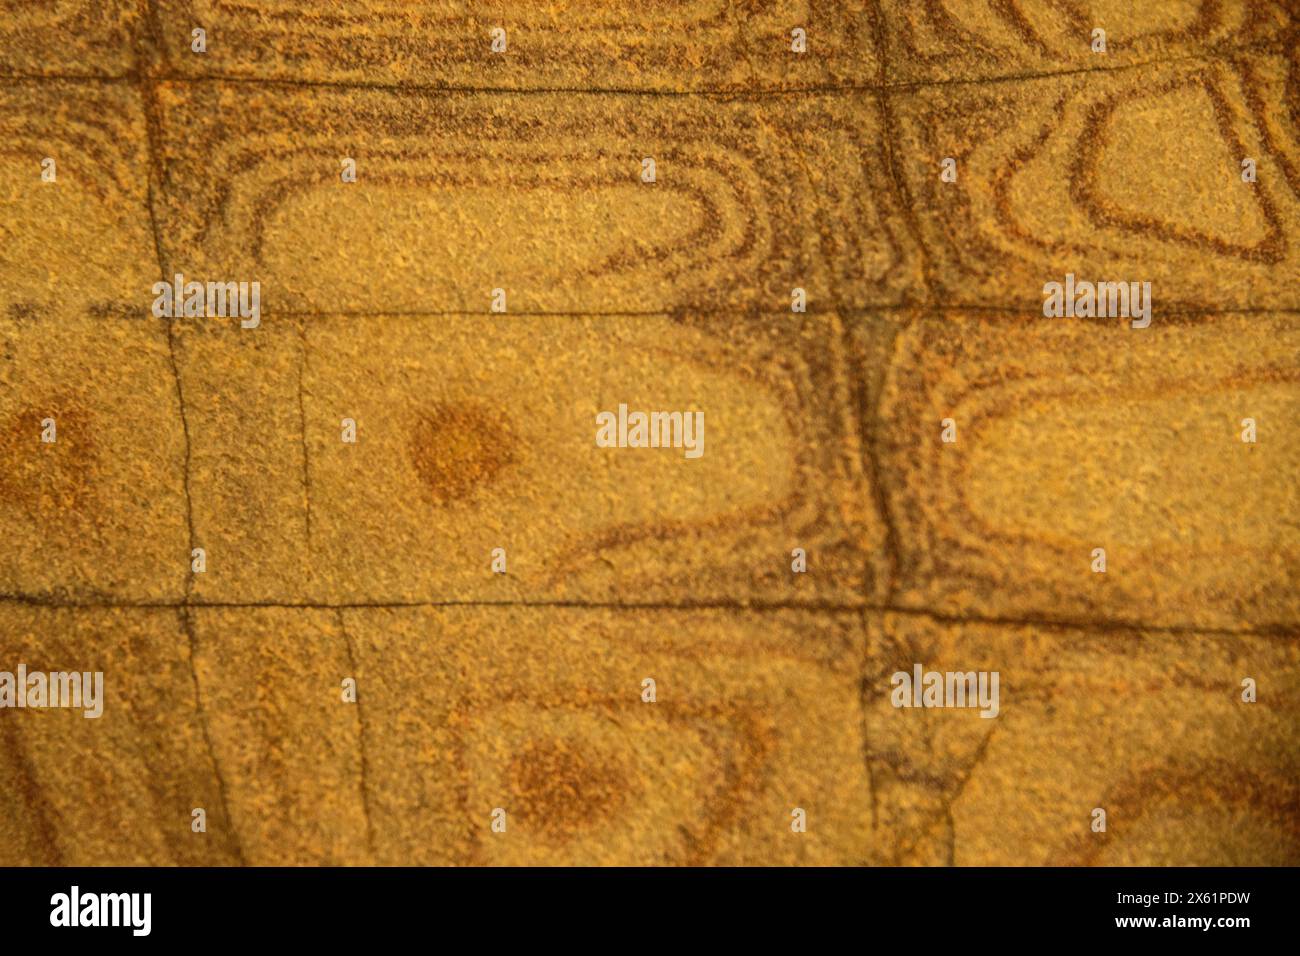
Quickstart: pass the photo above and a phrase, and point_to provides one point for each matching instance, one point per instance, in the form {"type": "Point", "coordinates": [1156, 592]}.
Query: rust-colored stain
{"type": "Point", "coordinates": [458, 450]}
{"type": "Point", "coordinates": [564, 786]}
{"type": "Point", "coordinates": [48, 478]}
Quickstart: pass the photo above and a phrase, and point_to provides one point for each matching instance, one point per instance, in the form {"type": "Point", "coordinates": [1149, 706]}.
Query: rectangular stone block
{"type": "Point", "coordinates": [1073, 436]}
{"type": "Point", "coordinates": [1149, 727]}
{"type": "Point", "coordinates": [540, 196]}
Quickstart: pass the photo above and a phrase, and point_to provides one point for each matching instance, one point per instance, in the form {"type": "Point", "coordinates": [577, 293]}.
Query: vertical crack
{"type": "Point", "coordinates": [157, 175]}
{"type": "Point", "coordinates": [192, 639]}
{"type": "Point", "coordinates": [902, 196]}
{"type": "Point", "coordinates": [361, 735]}
{"type": "Point", "coordinates": [864, 690]}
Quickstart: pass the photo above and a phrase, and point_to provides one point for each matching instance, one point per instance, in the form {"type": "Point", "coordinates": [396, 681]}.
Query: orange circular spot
{"type": "Point", "coordinates": [561, 787]}
{"type": "Point", "coordinates": [459, 449]}
{"type": "Point", "coordinates": [47, 477]}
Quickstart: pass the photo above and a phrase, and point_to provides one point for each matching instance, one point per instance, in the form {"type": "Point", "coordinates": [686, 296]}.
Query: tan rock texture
{"type": "Point", "coordinates": [332, 564]}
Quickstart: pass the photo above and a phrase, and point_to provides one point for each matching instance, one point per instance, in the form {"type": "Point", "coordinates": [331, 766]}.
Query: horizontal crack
{"type": "Point", "coordinates": [1288, 629]}
{"type": "Point", "coordinates": [168, 76]}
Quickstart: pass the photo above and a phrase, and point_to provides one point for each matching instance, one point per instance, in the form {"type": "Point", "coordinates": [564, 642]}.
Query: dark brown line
{"type": "Point", "coordinates": [1214, 53]}
{"type": "Point", "coordinates": [361, 734]}
{"type": "Point", "coordinates": [935, 309]}
{"type": "Point", "coordinates": [169, 76]}
{"type": "Point", "coordinates": [187, 622]}
{"type": "Point", "coordinates": [1104, 626]}
{"type": "Point", "coordinates": [95, 78]}
{"type": "Point", "coordinates": [864, 692]}
{"type": "Point", "coordinates": [1287, 629]}
{"type": "Point", "coordinates": [868, 436]}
